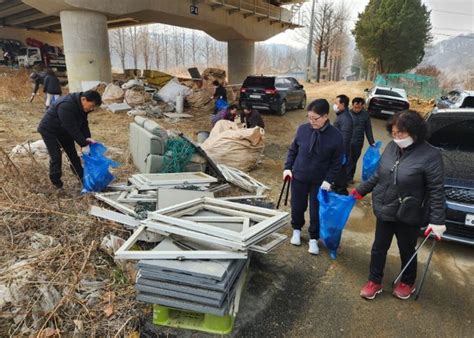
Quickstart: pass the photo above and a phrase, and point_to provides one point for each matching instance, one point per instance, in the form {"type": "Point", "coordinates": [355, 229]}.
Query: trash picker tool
{"type": "Point", "coordinates": [412, 257]}
{"type": "Point", "coordinates": [286, 184]}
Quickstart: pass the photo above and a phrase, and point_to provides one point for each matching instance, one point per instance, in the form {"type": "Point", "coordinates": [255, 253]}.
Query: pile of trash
{"type": "Point", "coordinates": [192, 248]}
{"type": "Point", "coordinates": [154, 94]}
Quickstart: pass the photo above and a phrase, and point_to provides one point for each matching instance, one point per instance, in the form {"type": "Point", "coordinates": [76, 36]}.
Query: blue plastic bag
{"type": "Point", "coordinates": [221, 104]}
{"type": "Point", "coordinates": [96, 169]}
{"type": "Point", "coordinates": [334, 210]}
{"type": "Point", "coordinates": [371, 161]}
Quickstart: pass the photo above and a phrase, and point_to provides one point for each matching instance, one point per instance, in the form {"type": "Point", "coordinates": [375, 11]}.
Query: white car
{"type": "Point", "coordinates": [456, 99]}
{"type": "Point", "coordinates": [386, 101]}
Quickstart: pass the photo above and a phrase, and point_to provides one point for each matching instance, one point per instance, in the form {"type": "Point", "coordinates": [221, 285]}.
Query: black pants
{"type": "Point", "coordinates": [300, 191]}
{"type": "Point", "coordinates": [54, 143]}
{"type": "Point", "coordinates": [407, 236]}
{"type": "Point", "coordinates": [340, 182]}
{"type": "Point", "coordinates": [356, 150]}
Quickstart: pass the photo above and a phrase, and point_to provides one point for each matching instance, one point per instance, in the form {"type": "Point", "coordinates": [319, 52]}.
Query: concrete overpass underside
{"type": "Point", "coordinates": [84, 23]}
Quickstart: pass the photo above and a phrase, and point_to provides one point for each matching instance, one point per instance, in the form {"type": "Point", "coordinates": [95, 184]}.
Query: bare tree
{"type": "Point", "coordinates": [119, 44]}
{"type": "Point", "coordinates": [134, 43]}
{"type": "Point", "coordinates": [145, 45]}
{"type": "Point", "coordinates": [156, 47]}
{"type": "Point", "coordinates": [329, 21]}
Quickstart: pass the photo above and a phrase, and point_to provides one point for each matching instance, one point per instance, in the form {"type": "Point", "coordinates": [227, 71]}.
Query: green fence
{"type": "Point", "coordinates": [422, 86]}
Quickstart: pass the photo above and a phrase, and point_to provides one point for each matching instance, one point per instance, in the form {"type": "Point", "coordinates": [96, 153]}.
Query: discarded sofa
{"type": "Point", "coordinates": [147, 143]}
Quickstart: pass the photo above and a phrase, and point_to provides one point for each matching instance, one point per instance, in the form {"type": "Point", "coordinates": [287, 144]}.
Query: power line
{"type": "Point", "coordinates": [450, 12]}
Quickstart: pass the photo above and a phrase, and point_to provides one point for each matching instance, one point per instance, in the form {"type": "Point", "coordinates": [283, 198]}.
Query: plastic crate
{"type": "Point", "coordinates": [167, 316]}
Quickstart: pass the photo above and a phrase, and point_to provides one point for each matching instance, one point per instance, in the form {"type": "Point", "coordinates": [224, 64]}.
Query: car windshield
{"type": "Point", "coordinates": [456, 142]}
{"type": "Point", "coordinates": [259, 81]}
{"type": "Point", "coordinates": [387, 92]}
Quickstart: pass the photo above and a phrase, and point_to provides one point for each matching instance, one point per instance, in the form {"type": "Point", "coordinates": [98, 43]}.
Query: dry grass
{"type": "Point", "coordinates": [54, 296]}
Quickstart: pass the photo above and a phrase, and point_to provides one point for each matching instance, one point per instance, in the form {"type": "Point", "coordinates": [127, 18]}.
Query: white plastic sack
{"type": "Point", "coordinates": [132, 83]}
{"type": "Point", "coordinates": [113, 94]}
{"type": "Point", "coordinates": [169, 92]}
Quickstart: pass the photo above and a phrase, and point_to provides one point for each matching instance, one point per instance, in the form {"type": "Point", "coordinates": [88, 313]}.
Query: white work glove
{"type": "Point", "coordinates": [287, 173]}
{"type": "Point", "coordinates": [437, 230]}
{"type": "Point", "coordinates": [90, 140]}
{"type": "Point", "coordinates": [326, 186]}
{"type": "Point", "coordinates": [86, 150]}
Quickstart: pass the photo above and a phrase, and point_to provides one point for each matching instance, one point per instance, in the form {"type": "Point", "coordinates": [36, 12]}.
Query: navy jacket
{"type": "Point", "coordinates": [362, 125]}
{"type": "Point", "coordinates": [66, 117]}
{"type": "Point", "coordinates": [52, 85]}
{"type": "Point", "coordinates": [345, 125]}
{"type": "Point", "coordinates": [315, 155]}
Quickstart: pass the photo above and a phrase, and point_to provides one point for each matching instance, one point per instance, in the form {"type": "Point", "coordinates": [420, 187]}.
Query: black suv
{"type": "Point", "coordinates": [273, 93]}
{"type": "Point", "coordinates": [452, 130]}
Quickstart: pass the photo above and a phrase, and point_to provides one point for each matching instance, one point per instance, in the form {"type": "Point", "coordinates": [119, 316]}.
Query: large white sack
{"type": "Point", "coordinates": [169, 92]}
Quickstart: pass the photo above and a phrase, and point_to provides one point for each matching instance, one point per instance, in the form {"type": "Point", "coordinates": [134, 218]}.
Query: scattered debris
{"type": "Point", "coordinates": [177, 115]}
{"type": "Point", "coordinates": [242, 180]}
{"type": "Point", "coordinates": [34, 148]}
{"type": "Point", "coordinates": [118, 107]}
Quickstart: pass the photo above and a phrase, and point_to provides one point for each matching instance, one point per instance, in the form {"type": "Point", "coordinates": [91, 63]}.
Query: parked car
{"type": "Point", "coordinates": [452, 130]}
{"type": "Point", "coordinates": [456, 99]}
{"type": "Point", "coordinates": [386, 101]}
{"type": "Point", "coordinates": [272, 93]}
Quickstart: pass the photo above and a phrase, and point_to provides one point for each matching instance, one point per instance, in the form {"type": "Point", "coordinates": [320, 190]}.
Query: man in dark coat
{"type": "Point", "coordinates": [345, 125]}
{"type": "Point", "coordinates": [50, 83]}
{"type": "Point", "coordinates": [313, 161]}
{"type": "Point", "coordinates": [64, 123]}
{"type": "Point", "coordinates": [362, 127]}
{"type": "Point", "coordinates": [251, 117]}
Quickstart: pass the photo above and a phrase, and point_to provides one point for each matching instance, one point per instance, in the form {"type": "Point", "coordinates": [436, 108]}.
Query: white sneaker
{"type": "Point", "coordinates": [313, 247]}
{"type": "Point", "coordinates": [296, 238]}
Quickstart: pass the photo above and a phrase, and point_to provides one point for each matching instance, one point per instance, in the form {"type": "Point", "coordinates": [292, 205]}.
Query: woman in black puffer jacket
{"type": "Point", "coordinates": [409, 168]}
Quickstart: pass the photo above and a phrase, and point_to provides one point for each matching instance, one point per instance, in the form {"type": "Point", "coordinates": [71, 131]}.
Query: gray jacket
{"type": "Point", "coordinates": [420, 174]}
{"type": "Point", "coordinates": [362, 125]}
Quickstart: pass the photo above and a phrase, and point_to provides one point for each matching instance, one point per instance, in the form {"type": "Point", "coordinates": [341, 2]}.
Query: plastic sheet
{"type": "Point", "coordinates": [334, 211]}
{"type": "Point", "coordinates": [96, 169]}
{"type": "Point", "coordinates": [371, 161]}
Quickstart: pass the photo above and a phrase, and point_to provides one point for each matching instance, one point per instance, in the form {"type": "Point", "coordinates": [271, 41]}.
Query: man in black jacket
{"type": "Point", "coordinates": [62, 124]}
{"type": "Point", "coordinates": [345, 125]}
{"type": "Point", "coordinates": [50, 83]}
{"type": "Point", "coordinates": [362, 127]}
{"type": "Point", "coordinates": [251, 117]}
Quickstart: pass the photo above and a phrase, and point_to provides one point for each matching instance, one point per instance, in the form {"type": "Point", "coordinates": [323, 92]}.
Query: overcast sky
{"type": "Point", "coordinates": [448, 18]}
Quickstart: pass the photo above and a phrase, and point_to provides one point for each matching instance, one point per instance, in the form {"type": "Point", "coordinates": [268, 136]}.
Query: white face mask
{"type": "Point", "coordinates": [404, 142]}
{"type": "Point", "coordinates": [335, 107]}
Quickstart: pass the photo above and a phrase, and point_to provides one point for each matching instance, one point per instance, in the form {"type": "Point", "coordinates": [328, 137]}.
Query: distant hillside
{"type": "Point", "coordinates": [453, 57]}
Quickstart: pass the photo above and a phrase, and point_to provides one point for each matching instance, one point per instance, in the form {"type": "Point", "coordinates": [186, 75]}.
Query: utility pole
{"type": "Point", "coordinates": [309, 49]}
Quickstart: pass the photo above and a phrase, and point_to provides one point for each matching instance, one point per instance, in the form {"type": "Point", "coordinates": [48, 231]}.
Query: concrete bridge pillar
{"type": "Point", "coordinates": [240, 60]}
{"type": "Point", "coordinates": [86, 47]}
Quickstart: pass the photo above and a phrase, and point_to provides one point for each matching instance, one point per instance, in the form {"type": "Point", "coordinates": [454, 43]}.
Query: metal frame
{"type": "Point", "coordinates": [104, 197]}
{"type": "Point", "coordinates": [114, 216]}
{"type": "Point", "coordinates": [267, 221]}
{"type": "Point", "coordinates": [124, 251]}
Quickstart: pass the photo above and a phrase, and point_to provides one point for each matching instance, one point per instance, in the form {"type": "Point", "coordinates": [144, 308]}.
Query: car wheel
{"type": "Point", "coordinates": [303, 102]}
{"type": "Point", "coordinates": [283, 108]}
